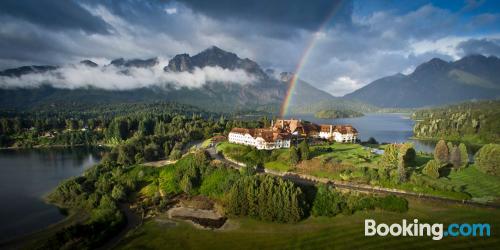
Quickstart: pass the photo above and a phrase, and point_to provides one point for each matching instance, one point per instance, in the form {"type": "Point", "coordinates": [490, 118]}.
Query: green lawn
{"type": "Point", "coordinates": [278, 166]}
{"type": "Point", "coordinates": [206, 143]}
{"type": "Point", "coordinates": [340, 232]}
{"type": "Point", "coordinates": [353, 154]}
{"type": "Point", "coordinates": [477, 183]}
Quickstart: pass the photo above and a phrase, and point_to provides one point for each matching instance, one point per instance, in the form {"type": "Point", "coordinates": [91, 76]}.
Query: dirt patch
{"type": "Point", "coordinates": [196, 202]}
{"type": "Point", "coordinates": [206, 219]}
{"type": "Point", "coordinates": [159, 163]}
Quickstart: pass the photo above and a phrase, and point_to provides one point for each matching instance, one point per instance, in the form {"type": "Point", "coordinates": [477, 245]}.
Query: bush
{"type": "Point", "coordinates": [392, 203]}
{"type": "Point", "coordinates": [431, 169]}
{"type": "Point", "coordinates": [216, 184]}
{"type": "Point", "coordinates": [487, 159]}
{"type": "Point", "coordinates": [328, 202]}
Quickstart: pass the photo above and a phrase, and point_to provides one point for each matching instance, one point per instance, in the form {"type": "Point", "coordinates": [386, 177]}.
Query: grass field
{"type": "Point", "coordinates": [477, 183]}
{"type": "Point", "coordinates": [353, 154]}
{"type": "Point", "coordinates": [278, 166]}
{"type": "Point", "coordinates": [340, 232]}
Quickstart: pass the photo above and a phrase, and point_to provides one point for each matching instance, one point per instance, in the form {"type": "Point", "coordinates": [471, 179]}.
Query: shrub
{"type": "Point", "coordinates": [328, 202]}
{"type": "Point", "coordinates": [431, 169]}
{"type": "Point", "coordinates": [392, 203]}
{"type": "Point", "coordinates": [487, 159]}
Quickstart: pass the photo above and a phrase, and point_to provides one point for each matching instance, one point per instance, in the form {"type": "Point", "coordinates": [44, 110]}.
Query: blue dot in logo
{"type": "Point", "coordinates": [445, 233]}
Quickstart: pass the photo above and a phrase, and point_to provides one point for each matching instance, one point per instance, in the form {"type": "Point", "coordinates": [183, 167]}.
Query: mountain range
{"type": "Point", "coordinates": [432, 83]}
{"type": "Point", "coordinates": [435, 82]}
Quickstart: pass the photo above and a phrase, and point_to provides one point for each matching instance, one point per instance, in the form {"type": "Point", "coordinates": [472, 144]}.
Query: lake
{"type": "Point", "coordinates": [384, 127]}
{"type": "Point", "coordinates": [26, 176]}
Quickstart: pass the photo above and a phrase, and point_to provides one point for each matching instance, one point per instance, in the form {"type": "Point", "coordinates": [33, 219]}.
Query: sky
{"type": "Point", "coordinates": [340, 46]}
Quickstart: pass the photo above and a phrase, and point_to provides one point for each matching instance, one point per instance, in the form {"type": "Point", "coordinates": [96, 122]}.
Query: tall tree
{"type": "Point", "coordinates": [390, 156]}
{"type": "Point", "coordinates": [294, 156]}
{"type": "Point", "coordinates": [455, 157]}
{"type": "Point", "coordinates": [487, 159]}
{"type": "Point", "coordinates": [304, 150]}
{"type": "Point", "coordinates": [464, 155]}
{"type": "Point", "coordinates": [431, 169]}
{"type": "Point", "coordinates": [441, 152]}
{"type": "Point", "coordinates": [406, 159]}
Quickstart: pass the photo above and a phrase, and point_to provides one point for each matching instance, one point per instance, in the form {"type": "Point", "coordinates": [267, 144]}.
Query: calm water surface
{"type": "Point", "coordinates": [383, 127]}
{"type": "Point", "coordinates": [26, 176]}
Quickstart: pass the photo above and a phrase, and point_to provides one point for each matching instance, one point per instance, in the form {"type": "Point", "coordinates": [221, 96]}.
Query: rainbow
{"type": "Point", "coordinates": [304, 58]}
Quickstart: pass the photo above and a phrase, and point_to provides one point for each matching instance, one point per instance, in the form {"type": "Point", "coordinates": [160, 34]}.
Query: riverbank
{"type": "Point", "coordinates": [29, 240]}
{"type": "Point", "coordinates": [56, 146]}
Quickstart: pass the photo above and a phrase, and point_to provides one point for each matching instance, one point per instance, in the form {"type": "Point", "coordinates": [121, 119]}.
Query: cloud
{"type": "Point", "coordinates": [480, 46]}
{"type": "Point", "coordinates": [119, 78]}
{"type": "Point", "coordinates": [293, 13]}
{"type": "Point", "coordinates": [171, 11]}
{"type": "Point", "coordinates": [361, 45]}
{"type": "Point", "coordinates": [54, 14]}
{"type": "Point", "coordinates": [343, 85]}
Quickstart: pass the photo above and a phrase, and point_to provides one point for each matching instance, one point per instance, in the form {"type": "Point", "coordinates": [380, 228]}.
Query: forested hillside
{"type": "Point", "coordinates": [474, 122]}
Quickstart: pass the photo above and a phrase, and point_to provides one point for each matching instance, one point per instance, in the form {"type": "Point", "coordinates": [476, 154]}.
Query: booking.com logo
{"type": "Point", "coordinates": [435, 230]}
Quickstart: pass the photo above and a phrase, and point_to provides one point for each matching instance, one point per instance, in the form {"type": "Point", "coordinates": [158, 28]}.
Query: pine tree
{"type": "Point", "coordinates": [464, 155]}
{"type": "Point", "coordinates": [294, 156]}
{"type": "Point", "coordinates": [304, 150]}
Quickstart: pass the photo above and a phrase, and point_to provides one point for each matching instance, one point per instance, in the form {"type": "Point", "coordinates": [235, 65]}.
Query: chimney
{"type": "Point", "coordinates": [331, 128]}
{"type": "Point", "coordinates": [272, 123]}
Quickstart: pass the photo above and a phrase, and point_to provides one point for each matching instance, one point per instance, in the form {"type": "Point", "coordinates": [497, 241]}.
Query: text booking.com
{"type": "Point", "coordinates": [437, 230]}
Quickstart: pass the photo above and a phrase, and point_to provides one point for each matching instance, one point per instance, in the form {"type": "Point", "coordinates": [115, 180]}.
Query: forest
{"type": "Point", "coordinates": [334, 114]}
{"type": "Point", "coordinates": [471, 122]}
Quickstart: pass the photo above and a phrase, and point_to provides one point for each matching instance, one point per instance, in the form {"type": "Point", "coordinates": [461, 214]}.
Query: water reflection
{"type": "Point", "coordinates": [26, 176]}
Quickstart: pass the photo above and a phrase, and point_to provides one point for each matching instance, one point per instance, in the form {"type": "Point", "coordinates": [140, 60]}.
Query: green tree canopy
{"type": "Point", "coordinates": [487, 159]}
{"type": "Point", "coordinates": [441, 152]}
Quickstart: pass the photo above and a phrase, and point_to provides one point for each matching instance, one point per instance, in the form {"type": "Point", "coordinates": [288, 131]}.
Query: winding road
{"type": "Point", "coordinates": [302, 179]}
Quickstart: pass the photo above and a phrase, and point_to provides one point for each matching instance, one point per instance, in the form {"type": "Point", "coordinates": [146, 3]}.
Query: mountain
{"type": "Point", "coordinates": [435, 82]}
{"type": "Point", "coordinates": [213, 57]}
{"type": "Point", "coordinates": [307, 99]}
{"type": "Point", "coordinates": [138, 63]}
{"type": "Point", "coordinates": [89, 63]}
{"type": "Point", "coordinates": [267, 92]}
{"type": "Point", "coordinates": [16, 72]}
{"type": "Point", "coordinates": [216, 96]}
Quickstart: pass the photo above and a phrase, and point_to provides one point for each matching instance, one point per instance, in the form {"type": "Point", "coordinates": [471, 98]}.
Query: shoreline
{"type": "Point", "coordinates": [57, 146]}
{"type": "Point", "coordinates": [23, 241]}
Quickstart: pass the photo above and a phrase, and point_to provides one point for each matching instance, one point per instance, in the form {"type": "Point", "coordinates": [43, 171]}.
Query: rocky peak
{"type": "Point", "coordinates": [286, 76]}
{"type": "Point", "coordinates": [433, 66]}
{"type": "Point", "coordinates": [138, 63]}
{"type": "Point", "coordinates": [89, 63]}
{"type": "Point", "coordinates": [181, 62]}
{"type": "Point", "coordinates": [213, 57]}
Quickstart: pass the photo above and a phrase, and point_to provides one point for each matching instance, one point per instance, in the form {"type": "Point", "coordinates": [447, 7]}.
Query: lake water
{"type": "Point", "coordinates": [26, 176]}
{"type": "Point", "coordinates": [384, 127]}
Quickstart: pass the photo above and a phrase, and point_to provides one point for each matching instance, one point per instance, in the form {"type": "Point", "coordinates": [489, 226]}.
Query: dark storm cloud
{"type": "Point", "coordinates": [297, 13]}
{"type": "Point", "coordinates": [480, 46]}
{"type": "Point", "coordinates": [54, 14]}
{"type": "Point", "coordinates": [353, 48]}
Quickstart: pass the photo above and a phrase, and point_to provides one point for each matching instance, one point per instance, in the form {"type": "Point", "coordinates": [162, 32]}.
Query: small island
{"type": "Point", "coordinates": [334, 114]}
